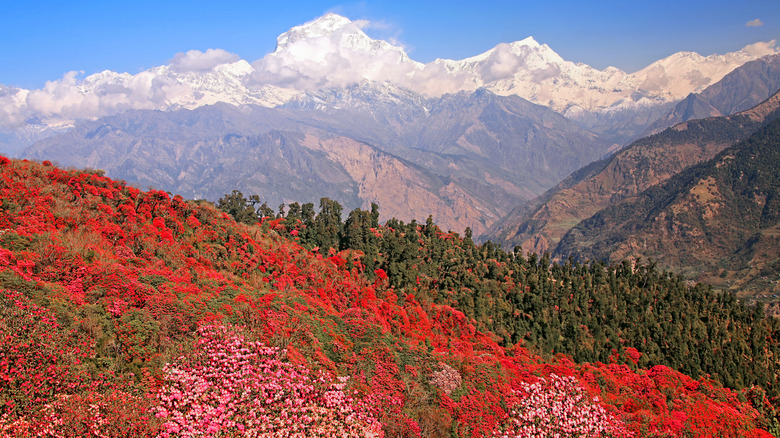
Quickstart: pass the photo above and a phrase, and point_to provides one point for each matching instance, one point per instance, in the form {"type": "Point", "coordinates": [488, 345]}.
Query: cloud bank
{"type": "Point", "coordinates": [102, 94]}
{"type": "Point", "coordinates": [761, 48]}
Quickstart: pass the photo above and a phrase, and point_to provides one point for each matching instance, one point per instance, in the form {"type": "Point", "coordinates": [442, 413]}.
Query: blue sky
{"type": "Point", "coordinates": [42, 40]}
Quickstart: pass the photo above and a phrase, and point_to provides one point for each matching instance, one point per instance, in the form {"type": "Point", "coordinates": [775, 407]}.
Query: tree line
{"type": "Point", "coordinates": [631, 312]}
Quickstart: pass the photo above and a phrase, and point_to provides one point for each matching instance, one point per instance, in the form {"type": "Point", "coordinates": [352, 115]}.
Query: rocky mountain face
{"type": "Point", "coordinates": [497, 135]}
{"type": "Point", "coordinates": [718, 221]}
{"type": "Point", "coordinates": [539, 226]}
{"type": "Point", "coordinates": [463, 158]}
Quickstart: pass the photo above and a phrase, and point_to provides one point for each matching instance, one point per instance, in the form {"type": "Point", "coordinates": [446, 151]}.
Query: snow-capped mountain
{"type": "Point", "coordinates": [339, 30]}
{"type": "Point", "coordinates": [535, 72]}
{"type": "Point", "coordinates": [333, 51]}
{"type": "Point", "coordinates": [682, 73]}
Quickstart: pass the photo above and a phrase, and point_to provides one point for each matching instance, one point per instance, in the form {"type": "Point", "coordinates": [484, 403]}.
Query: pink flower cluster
{"type": "Point", "coordinates": [229, 386]}
{"type": "Point", "coordinates": [447, 378]}
{"type": "Point", "coordinates": [559, 408]}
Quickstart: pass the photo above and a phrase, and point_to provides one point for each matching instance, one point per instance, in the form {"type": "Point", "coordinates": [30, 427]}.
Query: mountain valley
{"type": "Point", "coordinates": [630, 179]}
{"type": "Point", "coordinates": [455, 158]}
{"type": "Point", "coordinates": [716, 222]}
{"type": "Point", "coordinates": [539, 225]}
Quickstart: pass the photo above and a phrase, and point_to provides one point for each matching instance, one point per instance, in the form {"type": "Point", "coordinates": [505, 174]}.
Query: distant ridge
{"type": "Point", "coordinates": [718, 221]}
{"type": "Point", "coordinates": [539, 226]}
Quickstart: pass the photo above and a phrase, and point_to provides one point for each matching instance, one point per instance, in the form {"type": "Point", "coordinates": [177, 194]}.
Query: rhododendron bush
{"type": "Point", "coordinates": [48, 386]}
{"type": "Point", "coordinates": [559, 408]}
{"type": "Point", "coordinates": [231, 386]}
{"type": "Point", "coordinates": [131, 313]}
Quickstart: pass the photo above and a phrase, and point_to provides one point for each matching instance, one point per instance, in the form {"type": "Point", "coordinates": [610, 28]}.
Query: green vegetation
{"type": "Point", "coordinates": [592, 312]}
{"type": "Point", "coordinates": [713, 220]}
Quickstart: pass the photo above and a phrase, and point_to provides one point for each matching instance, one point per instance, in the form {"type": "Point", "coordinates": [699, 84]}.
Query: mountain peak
{"type": "Point", "coordinates": [324, 26]}
{"type": "Point", "coordinates": [528, 41]}
{"type": "Point", "coordinates": [333, 51]}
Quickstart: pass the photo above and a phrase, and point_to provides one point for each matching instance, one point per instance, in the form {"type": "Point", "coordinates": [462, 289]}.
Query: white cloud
{"type": "Point", "coordinates": [372, 24]}
{"type": "Point", "coordinates": [696, 79]}
{"type": "Point", "coordinates": [197, 61]}
{"type": "Point", "coordinates": [754, 23]}
{"type": "Point", "coordinates": [761, 48]}
{"type": "Point", "coordinates": [62, 97]}
{"type": "Point", "coordinates": [103, 94]}
{"type": "Point", "coordinates": [435, 79]}
{"type": "Point", "coordinates": [11, 111]}
{"type": "Point", "coordinates": [383, 30]}
{"type": "Point", "coordinates": [655, 79]}
{"type": "Point", "coordinates": [502, 63]}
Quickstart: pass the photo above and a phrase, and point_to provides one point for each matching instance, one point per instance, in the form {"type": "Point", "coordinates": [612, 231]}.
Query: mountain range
{"type": "Point", "coordinates": [454, 157]}
{"type": "Point", "coordinates": [333, 51]}
{"type": "Point", "coordinates": [467, 158]}
{"type": "Point", "coordinates": [516, 144]}
{"type": "Point", "coordinates": [538, 225]}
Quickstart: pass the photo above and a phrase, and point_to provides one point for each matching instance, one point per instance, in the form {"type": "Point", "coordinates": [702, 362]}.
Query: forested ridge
{"type": "Point", "coordinates": [716, 220]}
{"type": "Point", "coordinates": [591, 312]}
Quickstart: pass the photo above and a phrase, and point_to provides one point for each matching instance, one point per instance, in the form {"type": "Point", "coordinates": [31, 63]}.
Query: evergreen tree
{"type": "Point", "coordinates": [241, 208]}
{"type": "Point", "coordinates": [327, 224]}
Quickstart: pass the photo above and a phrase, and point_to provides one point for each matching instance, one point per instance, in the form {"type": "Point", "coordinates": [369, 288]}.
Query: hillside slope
{"type": "Point", "coordinates": [717, 221]}
{"type": "Point", "coordinates": [646, 162]}
{"type": "Point", "coordinates": [129, 313]}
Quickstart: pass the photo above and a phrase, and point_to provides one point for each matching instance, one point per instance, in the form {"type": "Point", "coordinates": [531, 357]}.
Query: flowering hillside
{"type": "Point", "coordinates": [131, 313]}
